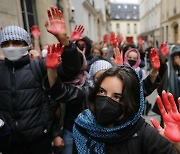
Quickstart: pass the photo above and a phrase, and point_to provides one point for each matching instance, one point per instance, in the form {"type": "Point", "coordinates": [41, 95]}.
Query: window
{"type": "Point", "coordinates": [135, 7]}
{"type": "Point", "coordinates": [117, 16]}
{"type": "Point", "coordinates": [127, 16]}
{"type": "Point", "coordinates": [134, 17]}
{"type": "Point", "coordinates": [117, 28]}
{"type": "Point", "coordinates": [135, 28]}
{"type": "Point", "coordinates": [128, 28]}
{"type": "Point", "coordinates": [119, 6]}
{"type": "Point", "coordinates": [28, 13]}
{"type": "Point", "coordinates": [125, 6]}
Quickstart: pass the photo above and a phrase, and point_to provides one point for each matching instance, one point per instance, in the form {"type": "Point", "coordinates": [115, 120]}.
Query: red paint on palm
{"type": "Point", "coordinates": [170, 115]}
{"type": "Point", "coordinates": [119, 38]}
{"type": "Point", "coordinates": [77, 32]}
{"type": "Point", "coordinates": [54, 53]}
{"type": "Point", "coordinates": [154, 59]}
{"type": "Point", "coordinates": [140, 41]}
{"type": "Point", "coordinates": [113, 40]}
{"type": "Point", "coordinates": [105, 38]}
{"type": "Point", "coordinates": [118, 56]}
{"type": "Point", "coordinates": [56, 24]}
{"type": "Point", "coordinates": [35, 31]}
{"type": "Point", "coordinates": [164, 49]}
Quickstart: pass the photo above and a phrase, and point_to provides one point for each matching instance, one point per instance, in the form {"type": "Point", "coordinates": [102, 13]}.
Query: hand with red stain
{"type": "Point", "coordinates": [171, 117]}
{"type": "Point", "coordinates": [54, 53]}
{"type": "Point", "coordinates": [77, 32]}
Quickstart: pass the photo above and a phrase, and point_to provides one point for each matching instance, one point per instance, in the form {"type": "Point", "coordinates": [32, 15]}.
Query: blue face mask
{"type": "Point", "coordinates": [107, 110]}
{"type": "Point", "coordinates": [15, 53]}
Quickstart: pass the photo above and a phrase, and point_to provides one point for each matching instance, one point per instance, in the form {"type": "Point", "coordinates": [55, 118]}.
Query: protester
{"type": "Point", "coordinates": [171, 75]}
{"type": "Point", "coordinates": [113, 123]}
{"type": "Point", "coordinates": [24, 106]}
{"type": "Point", "coordinates": [133, 59]}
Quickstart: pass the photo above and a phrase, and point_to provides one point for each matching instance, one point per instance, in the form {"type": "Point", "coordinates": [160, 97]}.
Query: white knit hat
{"type": "Point", "coordinates": [14, 33]}
{"type": "Point", "coordinates": [96, 67]}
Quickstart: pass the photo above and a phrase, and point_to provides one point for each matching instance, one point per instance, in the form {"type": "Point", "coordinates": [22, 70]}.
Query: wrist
{"type": "Point", "coordinates": [154, 72]}
{"type": "Point", "coordinates": [62, 38]}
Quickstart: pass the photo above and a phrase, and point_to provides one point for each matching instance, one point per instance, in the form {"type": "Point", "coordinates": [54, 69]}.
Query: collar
{"type": "Point", "coordinates": [19, 63]}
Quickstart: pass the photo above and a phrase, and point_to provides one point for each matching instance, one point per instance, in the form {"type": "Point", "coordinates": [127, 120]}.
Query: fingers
{"type": "Point", "coordinates": [53, 48]}
{"type": "Point", "coordinates": [156, 62]}
{"type": "Point", "coordinates": [61, 50]}
{"type": "Point", "coordinates": [48, 49]}
{"type": "Point", "coordinates": [172, 102]}
{"type": "Point", "coordinates": [161, 106]}
{"type": "Point", "coordinates": [166, 101]}
{"type": "Point", "coordinates": [155, 124]}
{"type": "Point", "coordinates": [49, 15]}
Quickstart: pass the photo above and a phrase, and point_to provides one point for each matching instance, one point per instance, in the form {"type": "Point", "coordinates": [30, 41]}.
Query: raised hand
{"type": "Point", "coordinates": [164, 49]}
{"type": "Point", "coordinates": [56, 24]}
{"type": "Point", "coordinates": [35, 31]}
{"type": "Point", "coordinates": [113, 39]}
{"type": "Point", "coordinates": [171, 117]}
{"type": "Point", "coordinates": [119, 38]}
{"type": "Point", "coordinates": [77, 32]}
{"type": "Point", "coordinates": [118, 60]}
{"type": "Point", "coordinates": [154, 58]}
{"type": "Point", "coordinates": [54, 53]}
{"type": "Point", "coordinates": [140, 41]}
{"type": "Point", "coordinates": [105, 38]}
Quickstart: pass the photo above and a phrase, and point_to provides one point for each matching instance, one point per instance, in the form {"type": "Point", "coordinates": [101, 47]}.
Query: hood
{"type": "Point", "coordinates": [126, 58]}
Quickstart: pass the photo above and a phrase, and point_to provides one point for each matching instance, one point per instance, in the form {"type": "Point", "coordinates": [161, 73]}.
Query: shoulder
{"type": "Point", "coordinates": [153, 142]}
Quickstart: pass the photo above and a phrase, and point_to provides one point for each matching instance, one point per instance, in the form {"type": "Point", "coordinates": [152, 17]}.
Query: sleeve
{"type": "Point", "coordinates": [63, 92]}
{"type": "Point", "coordinates": [153, 142]}
{"type": "Point", "coordinates": [71, 63]}
{"type": "Point", "coordinates": [148, 86]}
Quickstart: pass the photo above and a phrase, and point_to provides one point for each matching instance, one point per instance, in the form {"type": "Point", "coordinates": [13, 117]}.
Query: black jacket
{"type": "Point", "coordinates": [24, 105]}
{"type": "Point", "coordinates": [74, 99]}
{"type": "Point", "coordinates": [146, 141]}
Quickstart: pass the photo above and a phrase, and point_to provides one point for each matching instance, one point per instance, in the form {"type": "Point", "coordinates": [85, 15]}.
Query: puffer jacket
{"type": "Point", "coordinates": [24, 105]}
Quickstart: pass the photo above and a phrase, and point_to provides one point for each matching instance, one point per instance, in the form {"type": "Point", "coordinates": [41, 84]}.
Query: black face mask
{"type": "Point", "coordinates": [131, 62]}
{"type": "Point", "coordinates": [81, 47]}
{"type": "Point", "coordinates": [107, 110]}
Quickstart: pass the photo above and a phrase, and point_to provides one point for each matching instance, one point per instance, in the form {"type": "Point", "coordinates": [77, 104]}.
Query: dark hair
{"type": "Point", "coordinates": [130, 93]}
{"type": "Point", "coordinates": [97, 47]}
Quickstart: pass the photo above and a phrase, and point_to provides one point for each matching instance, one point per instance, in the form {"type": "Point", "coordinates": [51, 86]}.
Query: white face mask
{"type": "Point", "coordinates": [15, 53]}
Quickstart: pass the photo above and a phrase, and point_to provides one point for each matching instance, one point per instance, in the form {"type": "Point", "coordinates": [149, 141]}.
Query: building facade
{"type": "Point", "coordinates": [125, 20]}
{"type": "Point", "coordinates": [150, 20]}
{"type": "Point", "coordinates": [160, 20]}
{"type": "Point", "coordinates": [170, 20]}
{"type": "Point", "coordinates": [25, 13]}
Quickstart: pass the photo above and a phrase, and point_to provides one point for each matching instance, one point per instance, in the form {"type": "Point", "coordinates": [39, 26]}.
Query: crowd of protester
{"type": "Point", "coordinates": [86, 97]}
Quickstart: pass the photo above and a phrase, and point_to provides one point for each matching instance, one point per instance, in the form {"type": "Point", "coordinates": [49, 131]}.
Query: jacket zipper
{"type": "Point", "coordinates": [13, 97]}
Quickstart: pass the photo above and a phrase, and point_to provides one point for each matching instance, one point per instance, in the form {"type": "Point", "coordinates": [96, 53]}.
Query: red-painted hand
{"type": "Point", "coordinates": [56, 24]}
{"type": "Point", "coordinates": [164, 49]}
{"type": "Point", "coordinates": [154, 59]}
{"type": "Point", "coordinates": [35, 31]}
{"type": "Point", "coordinates": [119, 38]}
{"type": "Point", "coordinates": [53, 58]}
{"type": "Point", "coordinates": [77, 32]}
{"type": "Point", "coordinates": [105, 38]}
{"type": "Point", "coordinates": [113, 40]}
{"type": "Point", "coordinates": [171, 117]}
{"type": "Point", "coordinates": [140, 41]}
{"type": "Point", "coordinates": [118, 56]}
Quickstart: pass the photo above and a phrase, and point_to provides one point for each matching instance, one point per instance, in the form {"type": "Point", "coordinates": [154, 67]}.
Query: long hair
{"type": "Point", "coordinates": [130, 92]}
